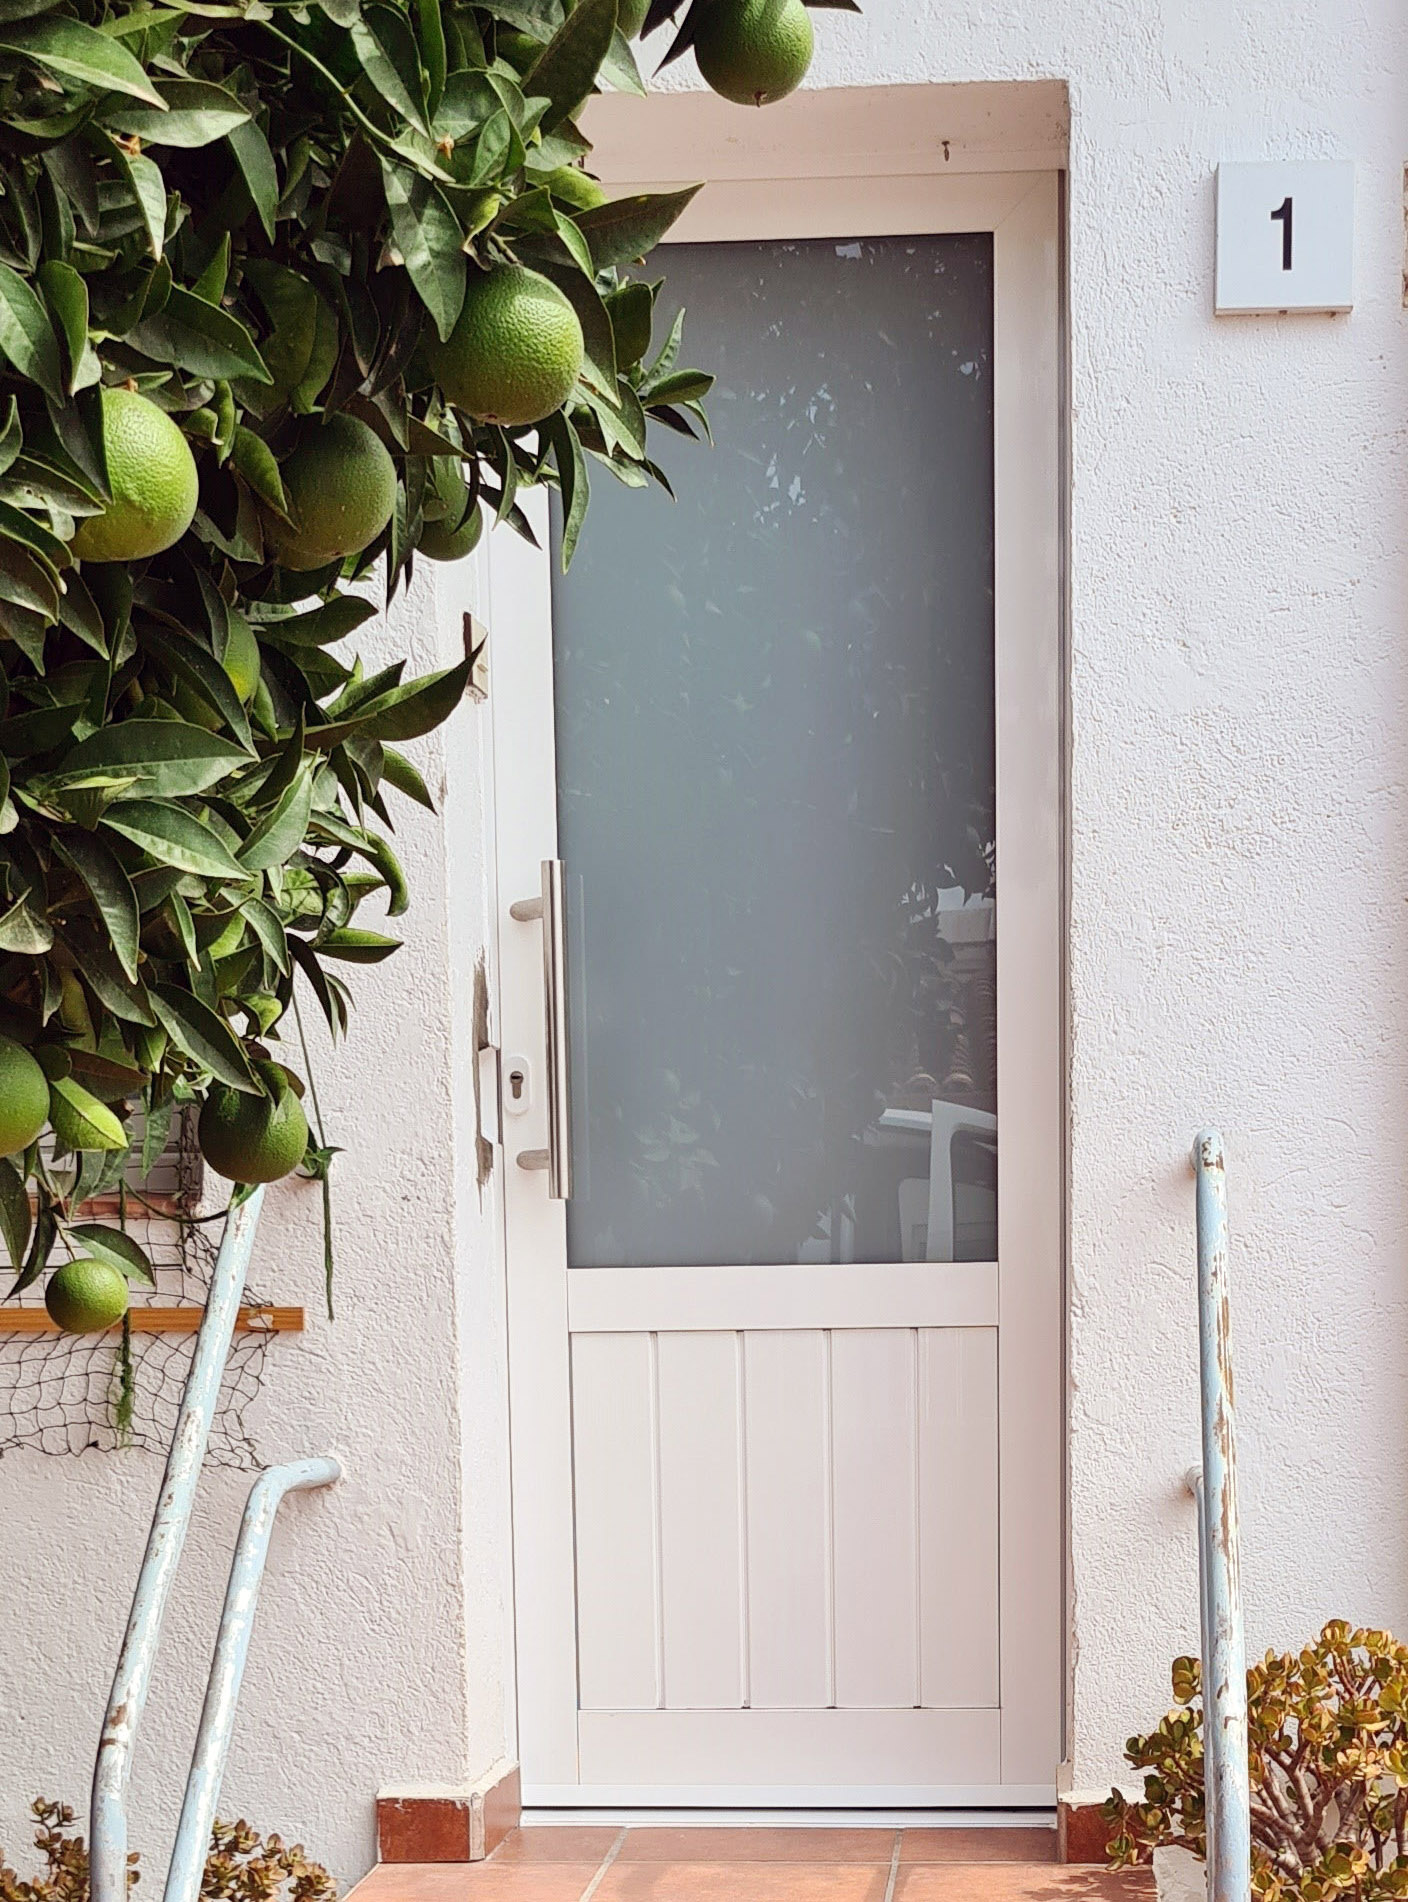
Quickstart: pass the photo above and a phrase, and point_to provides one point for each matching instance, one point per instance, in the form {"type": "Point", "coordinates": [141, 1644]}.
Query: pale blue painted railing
{"type": "Point", "coordinates": [113, 1769]}
{"type": "Point", "coordinates": [1224, 1653]}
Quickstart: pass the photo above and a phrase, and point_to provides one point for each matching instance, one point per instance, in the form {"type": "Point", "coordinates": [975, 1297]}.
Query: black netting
{"type": "Point", "coordinates": [77, 1393]}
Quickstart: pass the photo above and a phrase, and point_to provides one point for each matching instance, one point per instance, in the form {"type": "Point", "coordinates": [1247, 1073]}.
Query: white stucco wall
{"type": "Point", "coordinates": [1238, 870]}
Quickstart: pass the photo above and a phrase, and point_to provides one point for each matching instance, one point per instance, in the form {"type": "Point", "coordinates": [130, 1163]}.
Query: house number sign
{"type": "Point", "coordinates": [1285, 237]}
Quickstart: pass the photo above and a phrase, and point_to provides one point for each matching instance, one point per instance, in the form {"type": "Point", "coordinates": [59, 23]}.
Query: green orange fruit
{"type": "Point", "coordinates": [754, 51]}
{"type": "Point", "coordinates": [454, 527]}
{"type": "Point", "coordinates": [24, 1098]}
{"type": "Point", "coordinates": [86, 1296]}
{"type": "Point", "coordinates": [516, 352]}
{"type": "Point", "coordinates": [254, 1138]}
{"type": "Point", "coordinates": [152, 478]}
{"type": "Point", "coordinates": [341, 487]}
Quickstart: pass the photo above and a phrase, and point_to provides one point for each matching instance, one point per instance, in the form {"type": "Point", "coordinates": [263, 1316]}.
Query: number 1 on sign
{"type": "Point", "coordinates": [1284, 215]}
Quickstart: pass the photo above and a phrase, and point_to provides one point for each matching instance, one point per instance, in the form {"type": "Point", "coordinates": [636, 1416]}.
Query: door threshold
{"type": "Point", "coordinates": [626, 1818]}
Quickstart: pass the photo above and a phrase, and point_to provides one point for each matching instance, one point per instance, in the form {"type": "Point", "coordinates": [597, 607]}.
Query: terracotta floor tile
{"type": "Point", "coordinates": [1020, 1882]}
{"type": "Point", "coordinates": [978, 1845]}
{"type": "Point", "coordinates": [743, 1882]}
{"type": "Point", "coordinates": [720, 1844]}
{"type": "Point", "coordinates": [556, 1842]}
{"type": "Point", "coordinates": [490, 1881]}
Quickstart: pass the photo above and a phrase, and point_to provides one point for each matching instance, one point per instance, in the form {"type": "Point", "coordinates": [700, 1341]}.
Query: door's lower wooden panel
{"type": "Point", "coordinates": [759, 1748]}
{"type": "Point", "coordinates": [786, 1520]}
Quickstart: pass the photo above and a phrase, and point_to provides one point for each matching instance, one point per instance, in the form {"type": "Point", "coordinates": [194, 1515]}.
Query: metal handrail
{"type": "Point", "coordinates": [113, 1769]}
{"type": "Point", "coordinates": [1226, 1780]}
{"type": "Point", "coordinates": [217, 1718]}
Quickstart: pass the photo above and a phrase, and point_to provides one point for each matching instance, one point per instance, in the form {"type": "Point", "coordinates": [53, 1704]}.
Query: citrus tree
{"type": "Point", "coordinates": [292, 293]}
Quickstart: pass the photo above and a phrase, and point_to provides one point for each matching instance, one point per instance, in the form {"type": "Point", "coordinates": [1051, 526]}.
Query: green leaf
{"type": "Point", "coordinates": [174, 837]}
{"type": "Point", "coordinates": [204, 1036]}
{"type": "Point", "coordinates": [619, 68]}
{"type": "Point", "coordinates": [148, 189]}
{"type": "Point", "coordinates": [27, 337]}
{"type": "Point", "coordinates": [191, 662]}
{"type": "Point", "coordinates": [280, 833]}
{"type": "Point", "coordinates": [631, 308]}
{"type": "Point", "coordinates": [114, 1247]}
{"type": "Point", "coordinates": [491, 148]}
{"type": "Point", "coordinates": [80, 1121]}
{"type": "Point", "coordinates": [11, 437]}
{"type": "Point", "coordinates": [109, 983]}
{"type": "Point", "coordinates": [75, 51]}
{"type": "Point", "coordinates": [53, 553]}
{"type": "Point", "coordinates": [429, 238]}
{"type": "Point", "coordinates": [16, 1219]}
{"type": "Point", "coordinates": [110, 889]}
{"type": "Point", "coordinates": [327, 343]}
{"type": "Point", "coordinates": [572, 479]}
{"type": "Point", "coordinates": [627, 228]}
{"type": "Point", "coordinates": [37, 1260]}
{"type": "Point", "coordinates": [355, 946]}
{"type": "Point", "coordinates": [292, 307]}
{"type": "Point", "coordinates": [402, 714]}
{"type": "Point", "coordinates": [431, 31]}
{"type": "Point", "coordinates": [167, 757]}
{"type": "Point", "coordinates": [387, 49]}
{"type": "Point", "coordinates": [110, 1082]}
{"type": "Point", "coordinates": [399, 772]}
{"type": "Point", "coordinates": [266, 925]}
{"type": "Point", "coordinates": [256, 163]}
{"type": "Point", "coordinates": [564, 72]}
{"type": "Point", "coordinates": [24, 932]}
{"type": "Point", "coordinates": [67, 297]}
{"type": "Point", "coordinates": [212, 281]}
{"type": "Point", "coordinates": [201, 338]}
{"type": "Point", "coordinates": [681, 386]}
{"type": "Point", "coordinates": [321, 626]}
{"type": "Point", "coordinates": [197, 113]}
{"type": "Point", "coordinates": [156, 1126]}
{"type": "Point", "coordinates": [252, 458]}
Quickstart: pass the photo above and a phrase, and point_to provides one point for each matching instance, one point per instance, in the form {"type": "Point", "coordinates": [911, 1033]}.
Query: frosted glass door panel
{"type": "Point", "coordinates": [774, 716]}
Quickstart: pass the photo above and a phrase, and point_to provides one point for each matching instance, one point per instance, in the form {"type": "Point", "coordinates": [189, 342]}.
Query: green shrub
{"type": "Point", "coordinates": [241, 1867]}
{"type": "Point", "coordinates": [1328, 1766]}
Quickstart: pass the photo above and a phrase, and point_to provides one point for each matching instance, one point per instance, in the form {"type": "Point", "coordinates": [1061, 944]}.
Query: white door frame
{"type": "Point", "coordinates": [1022, 212]}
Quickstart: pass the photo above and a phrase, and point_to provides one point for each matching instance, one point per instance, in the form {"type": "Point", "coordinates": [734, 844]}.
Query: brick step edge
{"type": "Point", "coordinates": [439, 1822]}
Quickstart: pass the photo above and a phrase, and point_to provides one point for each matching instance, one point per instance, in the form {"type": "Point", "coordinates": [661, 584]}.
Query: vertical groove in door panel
{"type": "Point", "coordinates": [829, 1442]}
{"type": "Point", "coordinates": [656, 1542]}
{"type": "Point", "coordinates": [876, 1548]}
{"type": "Point", "coordinates": [918, 1476]}
{"type": "Point", "coordinates": [788, 1521]}
{"type": "Point", "coordinates": [745, 1640]}
{"type": "Point", "coordinates": [699, 1521]}
{"type": "Point", "coordinates": [958, 1517]}
{"type": "Point", "coordinates": [614, 1481]}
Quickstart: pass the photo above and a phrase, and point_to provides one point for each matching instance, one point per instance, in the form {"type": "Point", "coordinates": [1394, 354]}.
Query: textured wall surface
{"type": "Point", "coordinates": [1239, 866]}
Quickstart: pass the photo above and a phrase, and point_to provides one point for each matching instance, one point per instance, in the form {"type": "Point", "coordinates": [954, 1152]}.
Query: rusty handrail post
{"type": "Point", "coordinates": [113, 1769]}
{"type": "Point", "coordinates": [217, 1718]}
{"type": "Point", "coordinates": [1224, 1656]}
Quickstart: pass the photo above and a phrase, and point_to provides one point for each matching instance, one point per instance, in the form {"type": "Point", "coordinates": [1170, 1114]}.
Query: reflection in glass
{"type": "Point", "coordinates": [774, 712]}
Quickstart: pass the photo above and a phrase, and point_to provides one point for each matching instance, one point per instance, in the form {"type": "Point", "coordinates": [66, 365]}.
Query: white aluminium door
{"type": "Point", "coordinates": [785, 1362]}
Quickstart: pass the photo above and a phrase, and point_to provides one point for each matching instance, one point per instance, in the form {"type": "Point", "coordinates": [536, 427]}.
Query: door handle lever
{"type": "Point", "coordinates": [548, 906]}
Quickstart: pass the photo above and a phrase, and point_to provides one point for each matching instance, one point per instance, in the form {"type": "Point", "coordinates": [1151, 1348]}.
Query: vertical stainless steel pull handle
{"type": "Point", "coordinates": [557, 1157]}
